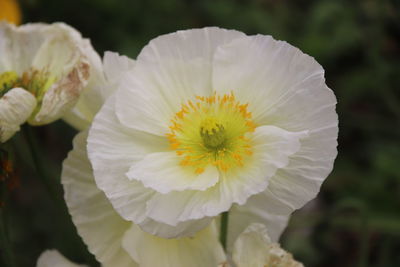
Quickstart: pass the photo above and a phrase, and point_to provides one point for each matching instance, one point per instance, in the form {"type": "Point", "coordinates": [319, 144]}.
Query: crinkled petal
{"type": "Point", "coordinates": [98, 224]}
{"type": "Point", "coordinates": [171, 69]}
{"type": "Point", "coordinates": [15, 108]}
{"type": "Point", "coordinates": [203, 249]}
{"type": "Point", "coordinates": [53, 258]}
{"type": "Point", "coordinates": [163, 173]}
{"type": "Point", "coordinates": [112, 149]}
{"type": "Point", "coordinates": [285, 88]}
{"type": "Point", "coordinates": [272, 148]}
{"type": "Point", "coordinates": [281, 84]}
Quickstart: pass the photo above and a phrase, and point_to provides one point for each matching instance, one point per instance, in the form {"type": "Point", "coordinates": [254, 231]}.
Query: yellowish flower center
{"type": "Point", "coordinates": [34, 81]}
{"type": "Point", "coordinates": [7, 81]}
{"type": "Point", "coordinates": [212, 130]}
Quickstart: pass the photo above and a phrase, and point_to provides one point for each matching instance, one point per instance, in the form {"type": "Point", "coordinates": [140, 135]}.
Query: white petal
{"type": "Point", "coordinates": [285, 88]}
{"type": "Point", "coordinates": [201, 250]}
{"type": "Point", "coordinates": [273, 77]}
{"type": "Point", "coordinates": [162, 172]}
{"type": "Point", "coordinates": [104, 79]}
{"type": "Point", "coordinates": [53, 258]}
{"type": "Point", "coordinates": [272, 148]}
{"type": "Point", "coordinates": [260, 208]}
{"type": "Point", "coordinates": [251, 247]}
{"type": "Point", "coordinates": [18, 46]}
{"type": "Point", "coordinates": [170, 70]}
{"type": "Point", "coordinates": [15, 108]}
{"type": "Point", "coordinates": [112, 149]}
{"type": "Point", "coordinates": [254, 248]}
{"type": "Point", "coordinates": [187, 228]}
{"type": "Point", "coordinates": [115, 65]}
{"type": "Point", "coordinates": [98, 224]}
{"type": "Point", "coordinates": [91, 99]}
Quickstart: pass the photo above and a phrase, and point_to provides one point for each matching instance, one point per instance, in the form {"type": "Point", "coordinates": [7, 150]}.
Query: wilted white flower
{"type": "Point", "coordinates": [50, 62]}
{"type": "Point", "coordinates": [254, 248]}
{"type": "Point", "coordinates": [53, 258]}
{"type": "Point", "coordinates": [210, 119]}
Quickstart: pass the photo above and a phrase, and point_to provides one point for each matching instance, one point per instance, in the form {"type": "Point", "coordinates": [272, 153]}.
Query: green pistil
{"type": "Point", "coordinates": [213, 138]}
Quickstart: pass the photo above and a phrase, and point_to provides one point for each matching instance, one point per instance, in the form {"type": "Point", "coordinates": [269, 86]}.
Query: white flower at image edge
{"type": "Point", "coordinates": [53, 258]}
{"type": "Point", "coordinates": [51, 63]}
{"type": "Point", "coordinates": [211, 119]}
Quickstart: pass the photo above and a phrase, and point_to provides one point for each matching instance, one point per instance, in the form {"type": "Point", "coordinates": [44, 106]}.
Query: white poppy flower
{"type": "Point", "coordinates": [254, 248]}
{"type": "Point", "coordinates": [117, 242]}
{"type": "Point", "coordinates": [53, 258]}
{"type": "Point", "coordinates": [210, 118]}
{"type": "Point", "coordinates": [51, 62]}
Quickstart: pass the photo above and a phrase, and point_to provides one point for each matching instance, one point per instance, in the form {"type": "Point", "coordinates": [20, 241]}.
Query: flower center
{"type": "Point", "coordinates": [34, 81]}
{"type": "Point", "coordinates": [213, 130]}
{"type": "Point", "coordinates": [7, 81]}
{"type": "Point", "coordinates": [212, 133]}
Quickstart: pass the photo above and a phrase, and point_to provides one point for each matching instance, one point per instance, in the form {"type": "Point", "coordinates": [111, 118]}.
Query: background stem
{"type": "Point", "coordinates": [5, 244]}
{"type": "Point", "coordinates": [224, 228]}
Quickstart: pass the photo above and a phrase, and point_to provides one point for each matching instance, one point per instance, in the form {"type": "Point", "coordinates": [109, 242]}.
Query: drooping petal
{"type": "Point", "coordinates": [203, 249]}
{"type": "Point", "coordinates": [170, 70]}
{"type": "Point", "coordinates": [53, 258]}
{"type": "Point", "coordinates": [101, 228]}
{"type": "Point", "coordinates": [15, 108]}
{"type": "Point", "coordinates": [162, 172]}
{"type": "Point", "coordinates": [272, 148]}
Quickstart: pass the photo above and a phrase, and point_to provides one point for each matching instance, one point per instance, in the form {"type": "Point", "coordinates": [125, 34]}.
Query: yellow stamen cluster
{"type": "Point", "coordinates": [34, 81]}
{"type": "Point", "coordinates": [7, 81]}
{"type": "Point", "coordinates": [212, 130]}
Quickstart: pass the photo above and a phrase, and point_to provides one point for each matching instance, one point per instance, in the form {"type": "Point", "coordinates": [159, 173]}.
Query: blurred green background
{"type": "Point", "coordinates": [356, 219]}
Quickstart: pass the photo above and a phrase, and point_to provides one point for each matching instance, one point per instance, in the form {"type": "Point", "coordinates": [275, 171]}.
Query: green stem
{"type": "Point", "coordinates": [224, 228]}
{"type": "Point", "coordinates": [33, 147]}
{"type": "Point", "coordinates": [55, 190]}
{"type": "Point", "coordinates": [5, 244]}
